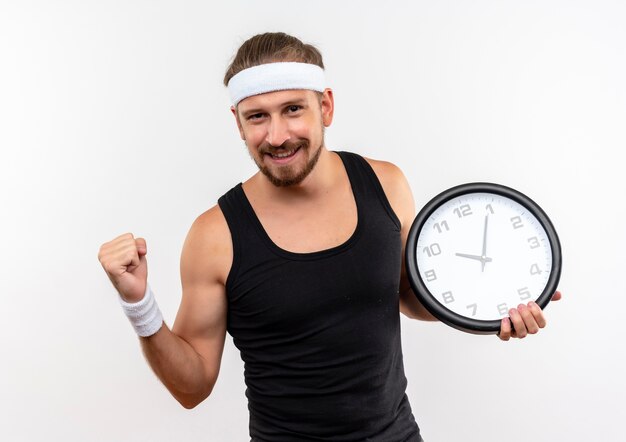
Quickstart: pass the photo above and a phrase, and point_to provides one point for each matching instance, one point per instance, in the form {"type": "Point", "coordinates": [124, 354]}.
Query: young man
{"type": "Point", "coordinates": [302, 264]}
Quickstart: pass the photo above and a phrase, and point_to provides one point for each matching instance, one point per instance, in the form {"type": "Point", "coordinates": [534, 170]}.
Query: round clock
{"type": "Point", "coordinates": [477, 250]}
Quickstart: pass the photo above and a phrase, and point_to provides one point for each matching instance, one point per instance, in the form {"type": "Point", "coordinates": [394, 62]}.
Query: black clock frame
{"type": "Point", "coordinates": [422, 293]}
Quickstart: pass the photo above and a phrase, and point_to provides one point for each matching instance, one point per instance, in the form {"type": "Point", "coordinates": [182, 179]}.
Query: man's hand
{"type": "Point", "coordinates": [527, 319]}
{"type": "Point", "coordinates": [124, 261]}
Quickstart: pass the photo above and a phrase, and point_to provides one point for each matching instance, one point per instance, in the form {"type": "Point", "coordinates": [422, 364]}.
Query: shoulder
{"type": "Point", "coordinates": [396, 188]}
{"type": "Point", "coordinates": [207, 250]}
{"type": "Point", "coordinates": [388, 174]}
{"type": "Point", "coordinates": [213, 218]}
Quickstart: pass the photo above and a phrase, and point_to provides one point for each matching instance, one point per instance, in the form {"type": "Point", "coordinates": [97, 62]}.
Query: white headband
{"type": "Point", "coordinates": [275, 77]}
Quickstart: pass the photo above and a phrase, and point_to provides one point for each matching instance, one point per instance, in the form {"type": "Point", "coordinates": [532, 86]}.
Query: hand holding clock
{"type": "Point", "coordinates": [526, 319]}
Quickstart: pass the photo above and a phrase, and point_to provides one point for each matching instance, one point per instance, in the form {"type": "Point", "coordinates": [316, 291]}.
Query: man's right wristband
{"type": "Point", "coordinates": [145, 315]}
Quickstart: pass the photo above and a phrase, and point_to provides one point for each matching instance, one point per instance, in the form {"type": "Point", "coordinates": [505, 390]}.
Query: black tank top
{"type": "Point", "coordinates": [319, 333]}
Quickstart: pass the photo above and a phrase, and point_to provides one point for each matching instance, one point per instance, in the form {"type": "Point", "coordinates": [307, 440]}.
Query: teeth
{"type": "Point", "coordinates": [283, 155]}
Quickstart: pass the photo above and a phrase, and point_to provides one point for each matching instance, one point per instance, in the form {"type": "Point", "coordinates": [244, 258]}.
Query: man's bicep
{"type": "Point", "coordinates": [201, 322]}
{"type": "Point", "coordinates": [205, 261]}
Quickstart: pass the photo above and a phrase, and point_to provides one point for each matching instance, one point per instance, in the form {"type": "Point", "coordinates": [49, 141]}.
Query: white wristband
{"type": "Point", "coordinates": [144, 315]}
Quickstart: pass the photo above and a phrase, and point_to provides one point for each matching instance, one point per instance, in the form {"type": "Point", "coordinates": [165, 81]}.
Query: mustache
{"type": "Point", "coordinates": [286, 146]}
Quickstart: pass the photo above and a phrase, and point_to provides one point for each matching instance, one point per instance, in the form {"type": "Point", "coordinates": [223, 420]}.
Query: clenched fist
{"type": "Point", "coordinates": [124, 260]}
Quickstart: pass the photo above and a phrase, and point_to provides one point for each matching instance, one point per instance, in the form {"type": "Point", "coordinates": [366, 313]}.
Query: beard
{"type": "Point", "coordinates": [288, 175]}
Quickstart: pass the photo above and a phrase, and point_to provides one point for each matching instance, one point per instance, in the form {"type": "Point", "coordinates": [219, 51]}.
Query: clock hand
{"type": "Point", "coordinates": [476, 257]}
{"type": "Point", "coordinates": [483, 261]}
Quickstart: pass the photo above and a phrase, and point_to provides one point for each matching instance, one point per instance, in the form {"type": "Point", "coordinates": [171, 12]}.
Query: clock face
{"type": "Point", "coordinates": [478, 250]}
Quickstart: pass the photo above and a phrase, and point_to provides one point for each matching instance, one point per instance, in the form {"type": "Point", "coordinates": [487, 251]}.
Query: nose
{"type": "Point", "coordinates": [277, 132]}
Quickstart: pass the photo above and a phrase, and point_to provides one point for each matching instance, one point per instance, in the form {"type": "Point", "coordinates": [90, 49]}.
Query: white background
{"type": "Point", "coordinates": [113, 119]}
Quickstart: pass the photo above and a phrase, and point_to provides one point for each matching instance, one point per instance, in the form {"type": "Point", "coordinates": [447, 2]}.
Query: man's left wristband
{"type": "Point", "coordinates": [145, 315]}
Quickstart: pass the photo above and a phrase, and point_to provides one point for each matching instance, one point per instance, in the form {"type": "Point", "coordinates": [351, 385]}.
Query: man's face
{"type": "Point", "coordinates": [284, 132]}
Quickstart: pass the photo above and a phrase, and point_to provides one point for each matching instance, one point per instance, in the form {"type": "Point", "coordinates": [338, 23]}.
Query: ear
{"type": "Point", "coordinates": [328, 107]}
{"type": "Point", "coordinates": [233, 109]}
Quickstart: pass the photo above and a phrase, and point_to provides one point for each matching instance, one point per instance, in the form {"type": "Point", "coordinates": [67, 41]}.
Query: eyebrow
{"type": "Point", "coordinates": [297, 101]}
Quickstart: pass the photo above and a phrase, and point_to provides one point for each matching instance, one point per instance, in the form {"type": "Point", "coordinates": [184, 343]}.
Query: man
{"type": "Point", "coordinates": [302, 264]}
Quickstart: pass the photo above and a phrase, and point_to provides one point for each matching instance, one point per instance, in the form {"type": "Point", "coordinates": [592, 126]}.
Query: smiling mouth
{"type": "Point", "coordinates": [283, 155]}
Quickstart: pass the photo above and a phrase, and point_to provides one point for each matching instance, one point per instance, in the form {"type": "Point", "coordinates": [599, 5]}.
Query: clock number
{"type": "Point", "coordinates": [489, 208]}
{"type": "Point", "coordinates": [447, 297]}
{"type": "Point", "coordinates": [433, 250]}
{"type": "Point", "coordinates": [534, 242]}
{"type": "Point", "coordinates": [474, 307]}
{"type": "Point", "coordinates": [523, 293]}
{"type": "Point", "coordinates": [431, 276]}
{"type": "Point", "coordinates": [464, 210]}
{"type": "Point", "coordinates": [439, 228]}
{"type": "Point", "coordinates": [503, 309]}
{"type": "Point", "coordinates": [535, 270]}
{"type": "Point", "coordinates": [517, 222]}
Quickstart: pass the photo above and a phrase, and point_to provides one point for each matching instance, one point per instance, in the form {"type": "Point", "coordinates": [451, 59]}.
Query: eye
{"type": "Point", "coordinates": [294, 108]}
{"type": "Point", "coordinates": [255, 116]}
